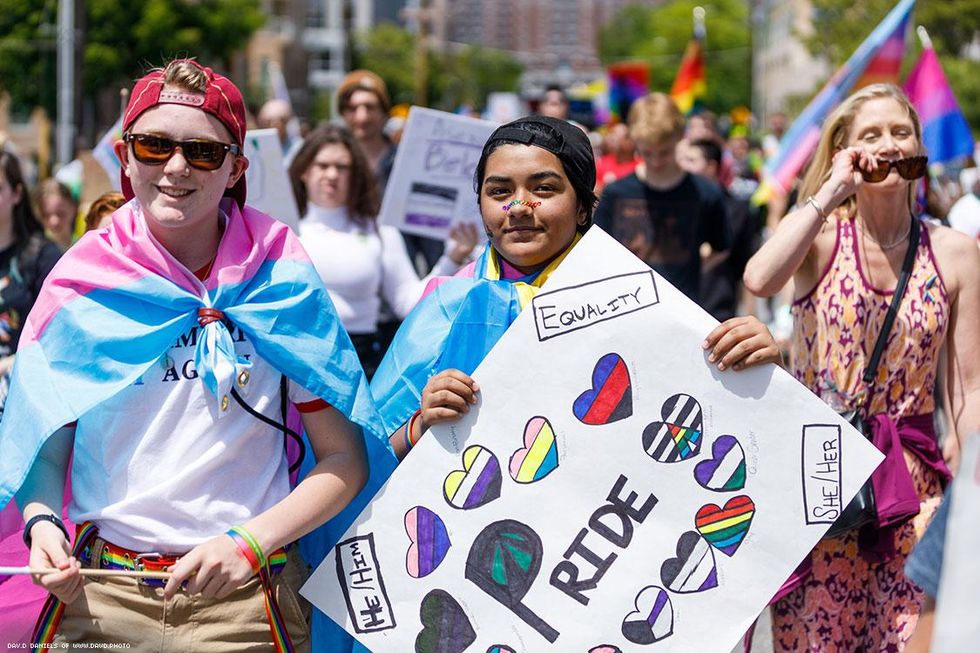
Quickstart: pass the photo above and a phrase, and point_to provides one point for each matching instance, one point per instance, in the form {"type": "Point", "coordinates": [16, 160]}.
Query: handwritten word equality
{"type": "Point", "coordinates": [612, 523]}
{"type": "Point", "coordinates": [587, 312]}
{"type": "Point", "coordinates": [577, 307]}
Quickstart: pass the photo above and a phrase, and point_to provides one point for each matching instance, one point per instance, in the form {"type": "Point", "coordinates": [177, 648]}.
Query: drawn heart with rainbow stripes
{"type": "Point", "coordinates": [430, 541]}
{"type": "Point", "coordinates": [725, 528]}
{"type": "Point", "coordinates": [477, 483]}
{"type": "Point", "coordinates": [539, 457]}
{"type": "Point", "coordinates": [679, 435]}
{"type": "Point", "coordinates": [611, 396]}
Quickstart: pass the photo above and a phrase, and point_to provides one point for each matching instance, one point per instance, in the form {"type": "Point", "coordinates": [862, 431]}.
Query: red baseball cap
{"type": "Point", "coordinates": [221, 99]}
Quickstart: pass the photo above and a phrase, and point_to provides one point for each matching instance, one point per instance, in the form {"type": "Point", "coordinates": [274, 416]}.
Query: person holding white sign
{"type": "Point", "coordinates": [535, 181]}
{"type": "Point", "coordinates": [846, 247]}
{"type": "Point", "coordinates": [359, 261]}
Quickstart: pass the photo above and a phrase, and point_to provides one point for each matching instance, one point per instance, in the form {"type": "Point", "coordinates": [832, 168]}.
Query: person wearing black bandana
{"type": "Point", "coordinates": [535, 181]}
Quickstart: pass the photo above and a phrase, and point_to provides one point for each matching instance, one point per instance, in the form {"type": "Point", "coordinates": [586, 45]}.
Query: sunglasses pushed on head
{"type": "Point", "coordinates": [912, 167]}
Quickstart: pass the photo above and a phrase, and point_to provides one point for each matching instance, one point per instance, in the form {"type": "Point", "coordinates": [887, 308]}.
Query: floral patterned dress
{"type": "Point", "coordinates": [852, 601]}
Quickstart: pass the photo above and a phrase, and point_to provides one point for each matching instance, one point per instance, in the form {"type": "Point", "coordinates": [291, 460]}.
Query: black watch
{"type": "Point", "coordinates": [47, 517]}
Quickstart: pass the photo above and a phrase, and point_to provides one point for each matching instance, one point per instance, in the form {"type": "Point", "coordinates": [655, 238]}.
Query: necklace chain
{"type": "Point", "coordinates": [885, 246]}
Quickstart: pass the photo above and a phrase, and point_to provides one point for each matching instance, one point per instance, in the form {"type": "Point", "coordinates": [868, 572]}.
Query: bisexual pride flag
{"type": "Point", "coordinates": [877, 59]}
{"type": "Point", "coordinates": [945, 133]}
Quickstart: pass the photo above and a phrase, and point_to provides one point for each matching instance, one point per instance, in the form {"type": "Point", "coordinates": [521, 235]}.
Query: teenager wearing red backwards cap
{"type": "Point", "coordinates": [187, 298]}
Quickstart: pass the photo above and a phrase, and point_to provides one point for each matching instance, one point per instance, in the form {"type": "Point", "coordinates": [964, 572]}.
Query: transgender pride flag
{"type": "Point", "coordinates": [945, 134]}
{"type": "Point", "coordinates": [877, 59]}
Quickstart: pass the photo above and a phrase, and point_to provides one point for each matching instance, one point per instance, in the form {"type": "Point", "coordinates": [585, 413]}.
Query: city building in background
{"type": "Point", "coordinates": [556, 40]}
{"type": "Point", "coordinates": [311, 42]}
{"type": "Point", "coordinates": [782, 67]}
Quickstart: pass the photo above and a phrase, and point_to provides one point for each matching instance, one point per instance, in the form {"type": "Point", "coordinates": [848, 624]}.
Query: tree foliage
{"type": "Point", "coordinates": [841, 25]}
{"type": "Point", "coordinates": [121, 41]}
{"type": "Point", "coordinates": [660, 35]}
{"type": "Point", "coordinates": [464, 76]}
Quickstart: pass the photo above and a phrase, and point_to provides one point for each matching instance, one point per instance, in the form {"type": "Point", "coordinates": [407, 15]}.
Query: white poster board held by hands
{"type": "Point", "coordinates": [430, 188]}
{"type": "Point", "coordinates": [610, 491]}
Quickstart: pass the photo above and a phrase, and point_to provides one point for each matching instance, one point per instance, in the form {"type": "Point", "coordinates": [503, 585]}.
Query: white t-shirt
{"type": "Point", "coordinates": [360, 264]}
{"type": "Point", "coordinates": [965, 215]}
{"type": "Point", "coordinates": [157, 470]}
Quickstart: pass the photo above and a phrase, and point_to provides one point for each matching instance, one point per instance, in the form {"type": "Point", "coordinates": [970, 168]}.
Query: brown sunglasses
{"type": "Point", "coordinates": [910, 168]}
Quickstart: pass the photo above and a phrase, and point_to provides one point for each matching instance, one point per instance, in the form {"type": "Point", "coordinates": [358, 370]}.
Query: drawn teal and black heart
{"type": "Point", "coordinates": [503, 562]}
{"type": "Point", "coordinates": [445, 627]}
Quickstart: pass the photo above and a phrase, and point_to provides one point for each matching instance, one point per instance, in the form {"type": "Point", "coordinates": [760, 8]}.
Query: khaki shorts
{"type": "Point", "coordinates": [124, 615]}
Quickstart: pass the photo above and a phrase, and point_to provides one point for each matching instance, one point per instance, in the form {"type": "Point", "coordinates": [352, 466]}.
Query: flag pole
{"type": "Point", "coordinates": [123, 100]}
{"type": "Point", "coordinates": [924, 37]}
{"type": "Point", "coordinates": [699, 29]}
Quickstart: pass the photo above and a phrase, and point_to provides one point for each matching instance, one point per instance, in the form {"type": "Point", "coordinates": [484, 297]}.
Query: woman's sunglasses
{"type": "Point", "coordinates": [201, 154]}
{"type": "Point", "coordinates": [910, 168]}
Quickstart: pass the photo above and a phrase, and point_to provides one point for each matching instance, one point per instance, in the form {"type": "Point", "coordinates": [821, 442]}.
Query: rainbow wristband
{"type": "Point", "coordinates": [412, 441]}
{"type": "Point", "coordinates": [249, 548]}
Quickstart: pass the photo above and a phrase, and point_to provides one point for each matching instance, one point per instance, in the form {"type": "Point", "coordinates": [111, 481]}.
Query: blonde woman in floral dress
{"type": "Point", "coordinates": [843, 248]}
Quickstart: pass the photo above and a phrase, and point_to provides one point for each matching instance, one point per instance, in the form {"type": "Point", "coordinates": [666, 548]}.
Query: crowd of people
{"type": "Point", "coordinates": [218, 334]}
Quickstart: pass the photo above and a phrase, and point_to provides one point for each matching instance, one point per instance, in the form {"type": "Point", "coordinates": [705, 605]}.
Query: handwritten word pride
{"type": "Point", "coordinates": [577, 307]}
{"type": "Point", "coordinates": [592, 552]}
{"type": "Point", "coordinates": [821, 473]}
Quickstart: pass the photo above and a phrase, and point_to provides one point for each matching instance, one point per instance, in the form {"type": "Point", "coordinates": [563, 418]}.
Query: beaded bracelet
{"type": "Point", "coordinates": [249, 548]}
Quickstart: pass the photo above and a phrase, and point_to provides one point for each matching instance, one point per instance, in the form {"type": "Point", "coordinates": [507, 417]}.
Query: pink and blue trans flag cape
{"type": "Point", "coordinates": [945, 134]}
{"type": "Point", "coordinates": [877, 59]}
{"type": "Point", "coordinates": [117, 301]}
{"type": "Point", "coordinates": [453, 327]}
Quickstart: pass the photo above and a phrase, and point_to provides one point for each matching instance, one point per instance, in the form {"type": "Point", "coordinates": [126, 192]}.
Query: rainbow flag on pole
{"type": "Point", "coordinates": [877, 59]}
{"type": "Point", "coordinates": [691, 85]}
{"type": "Point", "coordinates": [945, 134]}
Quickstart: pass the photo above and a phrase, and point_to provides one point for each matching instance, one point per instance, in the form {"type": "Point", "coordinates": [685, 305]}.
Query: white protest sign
{"type": "Point", "coordinates": [266, 180]}
{"type": "Point", "coordinates": [431, 183]}
{"type": "Point", "coordinates": [957, 625]}
{"type": "Point", "coordinates": [610, 488]}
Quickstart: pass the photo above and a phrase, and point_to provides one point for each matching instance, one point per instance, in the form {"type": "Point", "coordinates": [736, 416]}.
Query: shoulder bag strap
{"type": "Point", "coordinates": [903, 281]}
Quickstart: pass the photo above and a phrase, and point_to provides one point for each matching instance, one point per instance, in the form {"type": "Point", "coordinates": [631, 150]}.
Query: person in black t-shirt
{"type": "Point", "coordinates": [26, 257]}
{"type": "Point", "coordinates": [660, 212]}
{"type": "Point", "coordinates": [721, 272]}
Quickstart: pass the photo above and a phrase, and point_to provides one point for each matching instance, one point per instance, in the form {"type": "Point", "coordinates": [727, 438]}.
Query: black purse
{"type": "Point", "coordinates": [862, 509]}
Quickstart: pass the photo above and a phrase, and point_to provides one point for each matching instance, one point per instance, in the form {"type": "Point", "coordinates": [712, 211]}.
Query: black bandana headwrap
{"type": "Point", "coordinates": [563, 139]}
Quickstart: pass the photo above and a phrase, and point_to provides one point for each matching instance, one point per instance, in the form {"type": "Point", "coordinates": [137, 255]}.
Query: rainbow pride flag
{"type": "Point", "coordinates": [945, 133]}
{"type": "Point", "coordinates": [690, 86]}
{"type": "Point", "coordinates": [877, 59]}
{"type": "Point", "coordinates": [628, 82]}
